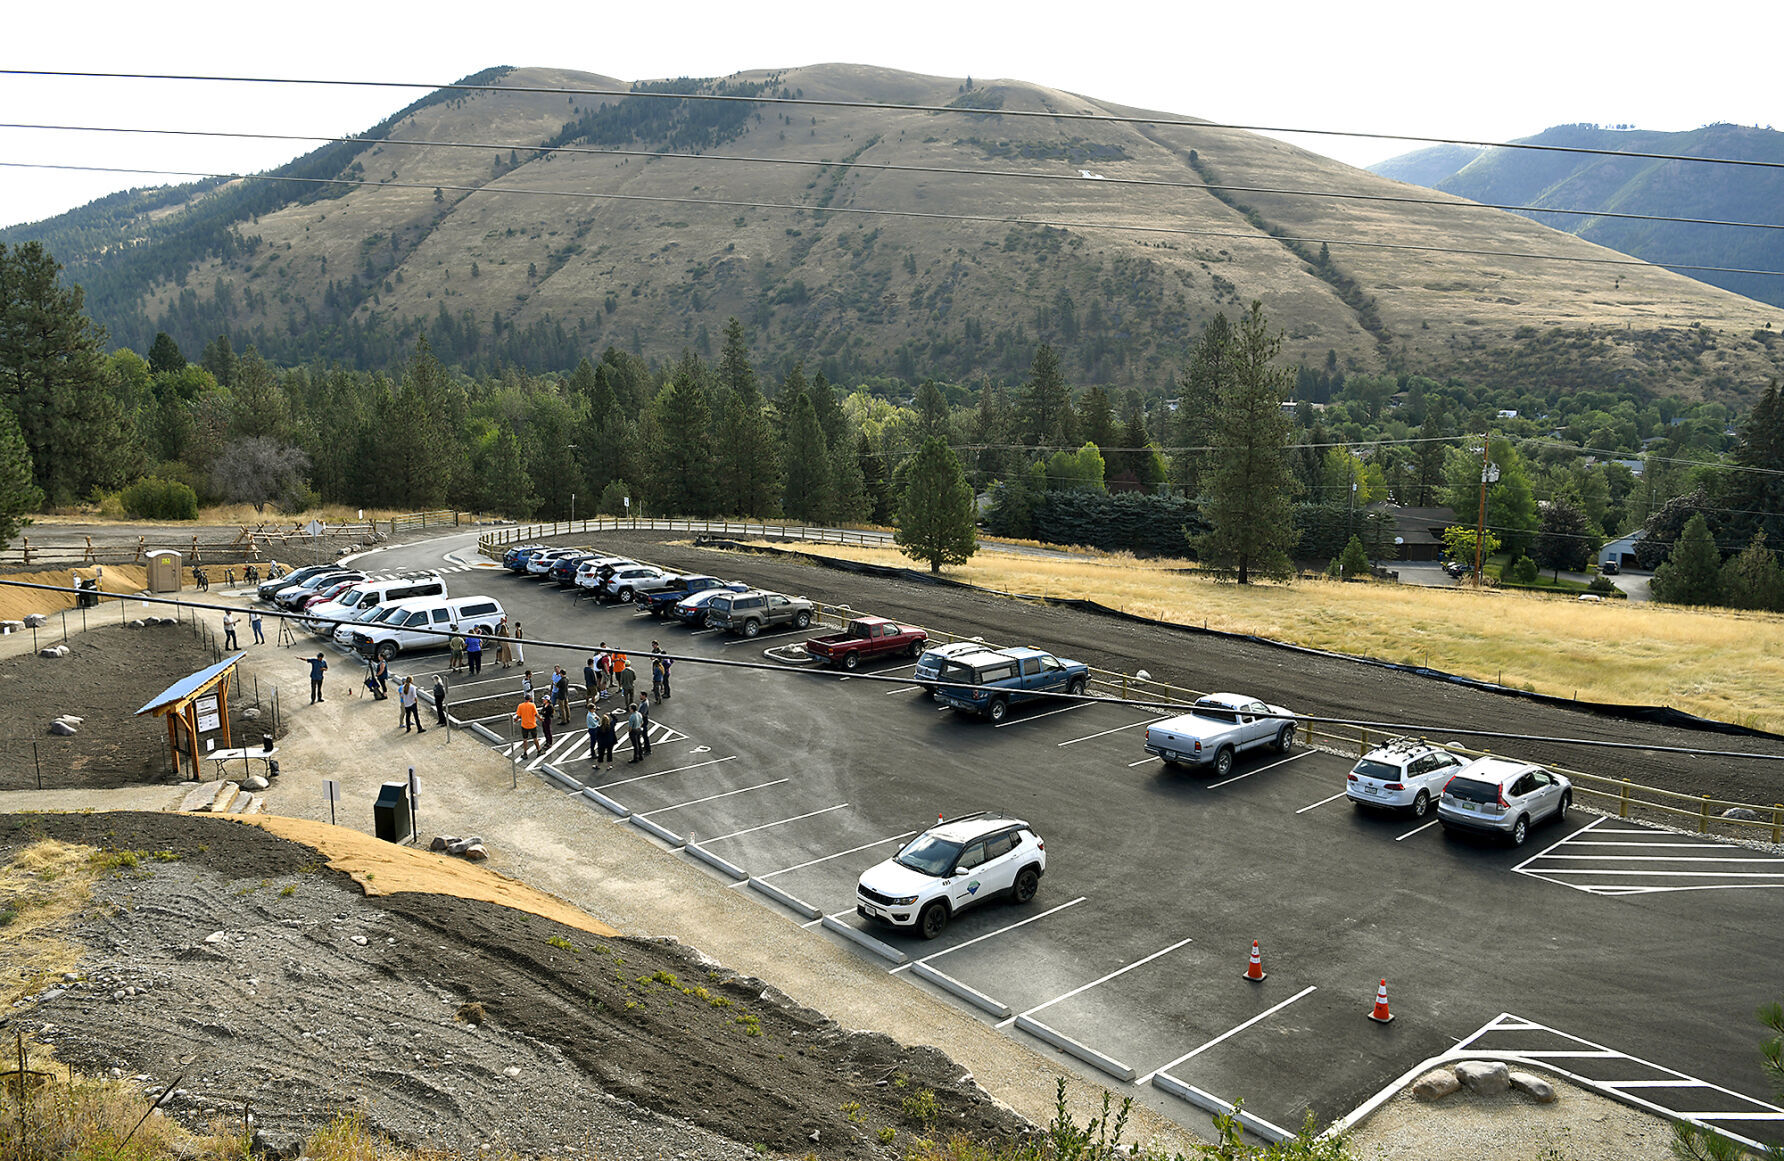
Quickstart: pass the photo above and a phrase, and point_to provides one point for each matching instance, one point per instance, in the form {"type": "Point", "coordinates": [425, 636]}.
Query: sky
{"type": "Point", "coordinates": [1422, 69]}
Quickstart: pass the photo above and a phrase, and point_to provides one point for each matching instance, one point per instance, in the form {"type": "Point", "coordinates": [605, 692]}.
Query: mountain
{"type": "Point", "coordinates": [1634, 185]}
{"type": "Point", "coordinates": [827, 230]}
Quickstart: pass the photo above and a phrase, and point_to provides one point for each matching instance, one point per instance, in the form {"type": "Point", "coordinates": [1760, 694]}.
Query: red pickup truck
{"type": "Point", "coordinates": [867, 637]}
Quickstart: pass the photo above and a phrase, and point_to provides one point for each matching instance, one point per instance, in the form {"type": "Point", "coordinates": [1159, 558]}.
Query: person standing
{"type": "Point", "coordinates": [527, 714]}
{"type": "Point", "coordinates": [627, 680]}
{"type": "Point", "coordinates": [474, 651]}
{"type": "Point", "coordinates": [644, 713]}
{"type": "Point", "coordinates": [608, 737]}
{"type": "Point", "coordinates": [318, 666]}
{"type": "Point", "coordinates": [526, 682]}
{"type": "Point", "coordinates": [545, 708]}
{"type": "Point", "coordinates": [593, 723]}
{"type": "Point", "coordinates": [603, 672]}
{"type": "Point", "coordinates": [381, 675]}
{"type": "Point", "coordinates": [589, 691]}
{"type": "Point", "coordinates": [560, 693]}
{"type": "Point", "coordinates": [659, 674]}
{"type": "Point", "coordinates": [520, 650]}
{"type": "Point", "coordinates": [254, 624]}
{"type": "Point", "coordinates": [229, 641]}
{"type": "Point", "coordinates": [409, 698]}
{"type": "Point", "coordinates": [439, 701]}
{"type": "Point", "coordinates": [504, 655]}
{"type": "Point", "coordinates": [635, 724]}
{"type": "Point", "coordinates": [456, 643]}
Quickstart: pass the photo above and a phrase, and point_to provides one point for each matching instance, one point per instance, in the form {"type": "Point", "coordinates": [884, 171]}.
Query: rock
{"type": "Point", "coordinates": [251, 714]}
{"type": "Point", "coordinates": [137, 624]}
{"type": "Point", "coordinates": [457, 847]}
{"type": "Point", "coordinates": [255, 782]}
{"type": "Point", "coordinates": [282, 1144]}
{"type": "Point", "coordinates": [475, 852]}
{"type": "Point", "coordinates": [440, 843]}
{"type": "Point", "coordinates": [511, 1072]}
{"type": "Point", "coordinates": [216, 937]}
{"type": "Point", "coordinates": [36, 620]}
{"type": "Point", "coordinates": [61, 729]}
{"type": "Point", "coordinates": [70, 978]}
{"type": "Point", "coordinates": [475, 840]}
{"type": "Point", "coordinates": [70, 719]}
{"type": "Point", "coordinates": [359, 939]}
{"type": "Point", "coordinates": [1435, 1085]}
{"type": "Point", "coordinates": [1484, 1076]}
{"type": "Point", "coordinates": [48, 651]}
{"type": "Point", "coordinates": [1741, 812]}
{"type": "Point", "coordinates": [1535, 1087]}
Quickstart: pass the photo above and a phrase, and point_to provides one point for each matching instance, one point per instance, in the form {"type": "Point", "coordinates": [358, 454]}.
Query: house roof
{"type": "Point", "coordinates": [187, 687]}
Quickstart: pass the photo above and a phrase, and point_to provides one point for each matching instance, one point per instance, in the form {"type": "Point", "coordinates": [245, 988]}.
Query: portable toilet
{"type": "Point", "coordinates": [164, 571]}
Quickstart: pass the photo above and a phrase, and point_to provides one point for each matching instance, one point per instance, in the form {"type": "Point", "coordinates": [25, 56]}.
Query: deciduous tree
{"type": "Point", "coordinates": [258, 470]}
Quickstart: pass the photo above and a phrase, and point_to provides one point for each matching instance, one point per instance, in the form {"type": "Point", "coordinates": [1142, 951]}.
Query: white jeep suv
{"type": "Point", "coordinates": [951, 866]}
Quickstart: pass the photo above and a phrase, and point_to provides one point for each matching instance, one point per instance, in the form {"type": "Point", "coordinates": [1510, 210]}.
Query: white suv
{"type": "Point", "coordinates": [1401, 774]}
{"type": "Point", "coordinates": [951, 866]}
{"type": "Point", "coordinates": [1503, 797]}
{"type": "Point", "coordinates": [590, 573]}
{"type": "Point", "coordinates": [628, 580]}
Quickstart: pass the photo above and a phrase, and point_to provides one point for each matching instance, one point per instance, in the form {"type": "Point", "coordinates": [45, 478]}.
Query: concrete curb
{"type": "Point", "coordinates": [488, 734]}
{"type": "Point", "coordinates": [971, 995]}
{"type": "Point", "coordinates": [664, 833]}
{"type": "Point", "coordinates": [1208, 1102]}
{"type": "Point", "coordinates": [712, 860]}
{"type": "Point", "coordinates": [559, 776]}
{"type": "Point", "coordinates": [1083, 1052]}
{"type": "Point", "coordinates": [595, 796]}
{"type": "Point", "coordinates": [883, 950]}
{"type": "Point", "coordinates": [785, 899]}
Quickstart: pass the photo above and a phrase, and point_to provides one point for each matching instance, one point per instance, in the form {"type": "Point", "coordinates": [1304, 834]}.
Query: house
{"type": "Point", "coordinates": [1507, 413]}
{"type": "Point", "coordinates": [1418, 532]}
{"type": "Point", "coordinates": [1621, 551]}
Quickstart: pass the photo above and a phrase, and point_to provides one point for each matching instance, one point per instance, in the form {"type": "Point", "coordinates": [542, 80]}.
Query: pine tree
{"type": "Point", "coordinates": [259, 409]}
{"type": "Point", "coordinates": [936, 516]}
{"type": "Point", "coordinates": [1198, 395]}
{"type": "Point", "coordinates": [735, 372]}
{"type": "Point", "coordinates": [18, 495]}
{"type": "Point", "coordinates": [807, 495]}
{"type": "Point", "coordinates": [414, 451]}
{"type": "Point", "coordinates": [1755, 498]}
{"type": "Point", "coordinates": [1752, 578]}
{"type": "Point", "coordinates": [849, 501]}
{"type": "Point", "coordinates": [748, 468]}
{"type": "Point", "coordinates": [1251, 487]}
{"type": "Point", "coordinates": [873, 480]}
{"type": "Point", "coordinates": [508, 487]}
{"type": "Point", "coordinates": [932, 411]}
{"type": "Point", "coordinates": [1096, 424]}
{"type": "Point", "coordinates": [1692, 574]}
{"type": "Point", "coordinates": [1566, 540]}
{"type": "Point", "coordinates": [1046, 416]}
{"type": "Point", "coordinates": [219, 359]}
{"type": "Point", "coordinates": [164, 355]}
{"type": "Point", "coordinates": [679, 470]}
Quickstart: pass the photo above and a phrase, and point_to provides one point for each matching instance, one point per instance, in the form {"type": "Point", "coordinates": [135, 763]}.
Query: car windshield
{"type": "Point", "coordinates": [1368, 769]}
{"type": "Point", "coordinates": [929, 855]}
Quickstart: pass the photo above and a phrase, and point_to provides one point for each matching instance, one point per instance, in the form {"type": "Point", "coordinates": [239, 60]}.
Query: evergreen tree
{"type": "Point", "coordinates": [1251, 487]}
{"type": "Point", "coordinates": [1355, 561]}
{"type": "Point", "coordinates": [992, 430]}
{"type": "Point", "coordinates": [1692, 574]}
{"type": "Point", "coordinates": [735, 372]}
{"type": "Point", "coordinates": [507, 485]}
{"type": "Point", "coordinates": [1198, 401]}
{"type": "Point", "coordinates": [1138, 465]}
{"type": "Point", "coordinates": [259, 410]}
{"type": "Point", "coordinates": [936, 515]}
{"type": "Point", "coordinates": [807, 496]}
{"type": "Point", "coordinates": [1752, 578]}
{"type": "Point", "coordinates": [679, 471]}
{"type": "Point", "coordinates": [219, 359]}
{"type": "Point", "coordinates": [1046, 416]}
{"type": "Point", "coordinates": [829, 410]}
{"type": "Point", "coordinates": [18, 495]}
{"type": "Point", "coordinates": [747, 467]}
{"type": "Point", "coordinates": [1755, 497]}
{"type": "Point", "coordinates": [849, 501]}
{"type": "Point", "coordinates": [414, 448]}
{"type": "Point", "coordinates": [1566, 540]}
{"type": "Point", "coordinates": [164, 355]}
{"type": "Point", "coordinates": [873, 480]}
{"type": "Point", "coordinates": [1096, 424]}
{"type": "Point", "coordinates": [932, 411]}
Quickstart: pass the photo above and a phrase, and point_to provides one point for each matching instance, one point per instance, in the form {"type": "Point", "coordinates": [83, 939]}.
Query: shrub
{"type": "Point", "coordinates": [152, 498]}
{"type": "Point", "coordinates": [1521, 571]}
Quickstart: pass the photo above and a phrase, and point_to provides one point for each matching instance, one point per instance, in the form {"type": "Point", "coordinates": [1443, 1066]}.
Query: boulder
{"type": "Point", "coordinates": [254, 782]}
{"type": "Point", "coordinates": [457, 846]}
{"type": "Point", "coordinates": [70, 719]}
{"type": "Point", "coordinates": [1484, 1076]}
{"type": "Point", "coordinates": [1535, 1087]}
{"type": "Point", "coordinates": [475, 852]}
{"type": "Point", "coordinates": [61, 729]}
{"type": "Point", "coordinates": [278, 1144]}
{"type": "Point", "coordinates": [440, 843]}
{"type": "Point", "coordinates": [136, 624]}
{"type": "Point", "coordinates": [1436, 1084]}
{"type": "Point", "coordinates": [216, 937]}
{"type": "Point", "coordinates": [1742, 813]}
{"type": "Point", "coordinates": [36, 620]}
{"type": "Point", "coordinates": [251, 714]}
{"type": "Point", "coordinates": [49, 651]}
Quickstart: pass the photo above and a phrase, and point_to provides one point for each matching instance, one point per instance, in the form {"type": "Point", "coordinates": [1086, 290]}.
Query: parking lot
{"type": "Point", "coordinates": [1648, 946]}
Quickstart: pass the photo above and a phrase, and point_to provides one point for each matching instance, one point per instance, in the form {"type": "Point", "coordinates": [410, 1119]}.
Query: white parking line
{"type": "Point", "coordinates": [1116, 730]}
{"type": "Point", "coordinates": [834, 915]}
{"type": "Point", "coordinates": [1417, 829]}
{"type": "Point", "coordinates": [988, 935]}
{"type": "Point", "coordinates": [1321, 803]}
{"type": "Point", "coordinates": [1197, 1051]}
{"type": "Point", "coordinates": [903, 689]}
{"type": "Point", "coordinates": [1661, 858]}
{"type": "Point", "coordinates": [770, 825]}
{"type": "Point", "coordinates": [1261, 769]}
{"type": "Point", "coordinates": [712, 797]}
{"type": "Point", "coordinates": [839, 854]}
{"type": "Point", "coordinates": [1142, 762]}
{"type": "Point", "coordinates": [1556, 843]}
{"type": "Point", "coordinates": [1094, 983]}
{"type": "Point", "coordinates": [1037, 717]}
{"type": "Point", "coordinates": [660, 773]}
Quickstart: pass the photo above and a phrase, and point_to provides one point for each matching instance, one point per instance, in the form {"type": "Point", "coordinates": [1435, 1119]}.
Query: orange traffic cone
{"type": "Point", "coordinates": [1255, 971]}
{"type": "Point", "coordinates": [1381, 1015]}
{"type": "Point", "coordinates": [938, 818]}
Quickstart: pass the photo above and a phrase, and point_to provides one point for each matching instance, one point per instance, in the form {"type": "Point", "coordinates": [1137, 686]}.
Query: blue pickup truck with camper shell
{"type": "Point", "coordinates": [989, 682]}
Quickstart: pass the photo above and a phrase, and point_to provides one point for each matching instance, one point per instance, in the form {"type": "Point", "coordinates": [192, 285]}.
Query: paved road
{"type": "Point", "coordinates": [1596, 932]}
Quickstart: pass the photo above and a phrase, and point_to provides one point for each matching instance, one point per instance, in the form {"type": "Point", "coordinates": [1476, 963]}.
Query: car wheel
{"type": "Point", "coordinates": [998, 710]}
{"type": "Point", "coordinates": [1027, 883]}
{"type": "Point", "coordinates": [1421, 804]}
{"type": "Point", "coordinates": [932, 920]}
{"type": "Point", "coordinates": [751, 628]}
{"type": "Point", "coordinates": [801, 619]}
{"type": "Point", "coordinates": [1223, 762]}
{"type": "Point", "coordinates": [916, 649]}
{"type": "Point", "coordinates": [387, 650]}
{"type": "Point", "coordinates": [1520, 830]}
{"type": "Point", "coordinates": [850, 660]}
{"type": "Point", "coordinates": [1566, 801]}
{"type": "Point", "coordinates": [625, 596]}
{"type": "Point", "coordinates": [1285, 738]}
{"type": "Point", "coordinates": [1075, 686]}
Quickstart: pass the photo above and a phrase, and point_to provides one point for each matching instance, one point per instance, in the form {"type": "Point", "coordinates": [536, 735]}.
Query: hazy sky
{"type": "Point", "coordinates": [1388, 67]}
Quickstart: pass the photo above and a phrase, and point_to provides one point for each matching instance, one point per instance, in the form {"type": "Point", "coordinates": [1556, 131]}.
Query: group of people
{"type": "Point", "coordinates": [467, 649]}
{"type": "Point", "coordinates": [606, 673]}
{"type": "Point", "coordinates": [230, 622]}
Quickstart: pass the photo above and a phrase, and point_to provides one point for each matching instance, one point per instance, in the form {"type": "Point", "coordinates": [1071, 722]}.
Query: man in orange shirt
{"type": "Point", "coordinates": [527, 714]}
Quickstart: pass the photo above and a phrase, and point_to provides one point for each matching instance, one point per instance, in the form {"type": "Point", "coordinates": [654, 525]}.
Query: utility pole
{"type": "Point", "coordinates": [1489, 474]}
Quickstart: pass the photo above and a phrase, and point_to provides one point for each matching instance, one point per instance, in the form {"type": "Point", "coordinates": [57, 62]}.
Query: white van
{"type": "Point", "coordinates": [424, 624]}
{"type": "Point", "coordinates": [351, 604]}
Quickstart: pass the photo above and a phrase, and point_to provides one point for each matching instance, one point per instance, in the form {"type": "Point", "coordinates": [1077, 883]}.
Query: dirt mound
{"type": "Point", "coordinates": [235, 966]}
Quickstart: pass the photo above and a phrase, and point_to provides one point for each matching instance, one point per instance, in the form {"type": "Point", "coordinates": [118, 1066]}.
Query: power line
{"type": "Point", "coordinates": [889, 167]}
{"type": "Point", "coordinates": [927, 215]}
{"type": "Point", "coordinates": [814, 102]}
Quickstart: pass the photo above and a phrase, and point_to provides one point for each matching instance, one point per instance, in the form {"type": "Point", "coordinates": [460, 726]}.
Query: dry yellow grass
{"type": "Point", "coordinates": [46, 883]}
{"type": "Point", "coordinates": [1715, 663]}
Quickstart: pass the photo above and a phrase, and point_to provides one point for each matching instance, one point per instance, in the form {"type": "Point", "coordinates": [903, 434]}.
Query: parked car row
{"type": "Point", "coordinates": [1490, 795]}
{"type": "Point", "coordinates": [380, 618]}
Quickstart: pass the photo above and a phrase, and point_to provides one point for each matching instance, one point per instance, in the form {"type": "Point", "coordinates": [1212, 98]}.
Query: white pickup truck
{"type": "Point", "coordinates": [1217, 729]}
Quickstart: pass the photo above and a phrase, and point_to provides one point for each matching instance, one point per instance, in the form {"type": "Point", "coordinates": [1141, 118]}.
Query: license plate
{"type": "Point", "coordinates": [1371, 790]}
{"type": "Point", "coordinates": [879, 911]}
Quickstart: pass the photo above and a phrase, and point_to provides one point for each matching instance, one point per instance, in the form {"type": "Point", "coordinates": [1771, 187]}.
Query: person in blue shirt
{"type": "Point", "coordinates": [318, 666]}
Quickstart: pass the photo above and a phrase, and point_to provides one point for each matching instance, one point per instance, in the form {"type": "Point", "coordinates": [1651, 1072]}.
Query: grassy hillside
{"type": "Point", "coordinates": [504, 254]}
{"type": "Point", "coordinates": [1638, 186]}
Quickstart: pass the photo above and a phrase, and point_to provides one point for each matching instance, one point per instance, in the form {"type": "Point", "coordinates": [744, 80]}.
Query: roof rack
{"type": "Point", "coordinates": [964, 817]}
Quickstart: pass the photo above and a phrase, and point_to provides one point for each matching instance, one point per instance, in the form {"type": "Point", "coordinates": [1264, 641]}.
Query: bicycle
{"type": "Point", "coordinates": [201, 580]}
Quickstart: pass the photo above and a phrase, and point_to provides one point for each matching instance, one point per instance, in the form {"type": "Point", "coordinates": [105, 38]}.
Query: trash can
{"type": "Point", "coordinates": [390, 813]}
{"type": "Point", "coordinates": [88, 595]}
{"type": "Point", "coordinates": [164, 571]}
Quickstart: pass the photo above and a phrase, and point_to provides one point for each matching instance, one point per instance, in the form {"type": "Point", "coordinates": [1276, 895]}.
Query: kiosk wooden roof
{"type": "Point", "coordinates": [178, 703]}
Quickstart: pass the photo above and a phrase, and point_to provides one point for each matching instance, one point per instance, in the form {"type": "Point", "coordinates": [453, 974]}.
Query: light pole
{"type": "Point", "coordinates": [571, 448]}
